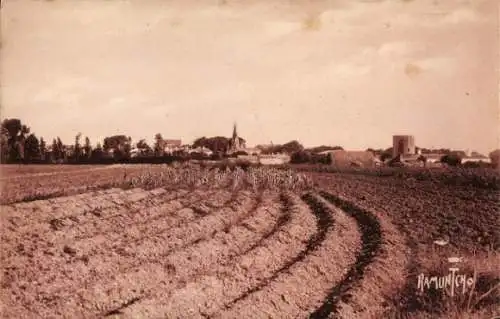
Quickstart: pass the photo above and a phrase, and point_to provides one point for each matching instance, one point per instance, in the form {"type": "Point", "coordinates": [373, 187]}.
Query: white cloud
{"type": "Point", "coordinates": [351, 70]}
{"type": "Point", "coordinates": [400, 13]}
{"type": "Point", "coordinates": [436, 19]}
{"type": "Point", "coordinates": [353, 14]}
{"type": "Point", "coordinates": [439, 63]}
{"type": "Point", "coordinates": [461, 15]}
{"type": "Point", "coordinates": [399, 49]}
{"type": "Point", "coordinates": [280, 28]}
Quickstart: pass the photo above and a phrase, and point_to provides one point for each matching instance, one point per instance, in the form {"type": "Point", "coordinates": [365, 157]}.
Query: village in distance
{"type": "Point", "coordinates": [20, 145]}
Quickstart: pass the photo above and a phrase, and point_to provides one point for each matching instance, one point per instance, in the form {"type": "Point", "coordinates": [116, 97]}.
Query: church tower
{"type": "Point", "coordinates": [235, 144]}
{"type": "Point", "coordinates": [235, 133]}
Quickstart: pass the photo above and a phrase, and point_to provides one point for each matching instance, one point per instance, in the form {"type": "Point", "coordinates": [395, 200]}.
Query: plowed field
{"type": "Point", "coordinates": [236, 244]}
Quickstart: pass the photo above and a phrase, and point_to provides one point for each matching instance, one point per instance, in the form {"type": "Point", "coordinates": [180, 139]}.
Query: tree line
{"type": "Point", "coordinates": [19, 145]}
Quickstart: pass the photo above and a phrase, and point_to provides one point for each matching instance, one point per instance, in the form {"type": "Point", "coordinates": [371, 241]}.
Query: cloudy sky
{"type": "Point", "coordinates": [339, 72]}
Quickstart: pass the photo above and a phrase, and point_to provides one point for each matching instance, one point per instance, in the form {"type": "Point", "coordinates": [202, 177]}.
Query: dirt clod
{"type": "Point", "coordinates": [69, 250]}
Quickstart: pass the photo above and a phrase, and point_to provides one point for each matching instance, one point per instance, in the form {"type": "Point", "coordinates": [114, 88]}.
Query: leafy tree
{"type": "Point", "coordinates": [97, 153]}
{"type": "Point", "coordinates": [127, 148]}
{"type": "Point", "coordinates": [32, 148]}
{"type": "Point", "coordinates": [12, 127]}
{"type": "Point", "coordinates": [87, 148]}
{"type": "Point", "coordinates": [57, 150]}
{"type": "Point", "coordinates": [159, 148]}
{"type": "Point", "coordinates": [144, 148]}
{"type": "Point", "coordinates": [114, 142]}
{"type": "Point", "coordinates": [289, 148]}
{"type": "Point", "coordinates": [78, 147]}
{"type": "Point", "coordinates": [300, 157]}
{"type": "Point", "coordinates": [43, 149]}
{"type": "Point", "coordinates": [15, 133]}
{"type": "Point", "coordinates": [54, 153]}
{"type": "Point", "coordinates": [61, 150]}
{"type": "Point", "coordinates": [119, 145]}
{"type": "Point", "coordinates": [4, 147]}
{"type": "Point", "coordinates": [217, 144]}
{"type": "Point", "coordinates": [451, 159]}
{"type": "Point", "coordinates": [199, 142]}
{"type": "Point", "coordinates": [292, 147]}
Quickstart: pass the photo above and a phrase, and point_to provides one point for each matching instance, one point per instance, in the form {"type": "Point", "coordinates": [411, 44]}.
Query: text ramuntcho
{"type": "Point", "coordinates": [455, 281]}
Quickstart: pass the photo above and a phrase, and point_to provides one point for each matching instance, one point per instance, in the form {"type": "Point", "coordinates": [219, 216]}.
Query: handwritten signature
{"type": "Point", "coordinates": [454, 280]}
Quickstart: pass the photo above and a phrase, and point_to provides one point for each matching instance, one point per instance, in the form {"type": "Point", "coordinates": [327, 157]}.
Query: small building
{"type": "Point", "coordinates": [343, 158]}
{"type": "Point", "coordinates": [409, 160]}
{"type": "Point", "coordinates": [249, 158]}
{"type": "Point", "coordinates": [433, 157]}
{"type": "Point", "coordinates": [253, 151]}
{"type": "Point", "coordinates": [201, 150]}
{"type": "Point", "coordinates": [403, 145]}
{"type": "Point", "coordinates": [135, 152]}
{"type": "Point", "coordinates": [275, 159]}
{"type": "Point", "coordinates": [171, 145]}
{"type": "Point", "coordinates": [476, 158]}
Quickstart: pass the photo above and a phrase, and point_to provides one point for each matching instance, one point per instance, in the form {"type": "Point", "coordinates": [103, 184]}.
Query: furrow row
{"type": "Point", "coordinates": [300, 289]}
{"type": "Point", "coordinates": [211, 291]}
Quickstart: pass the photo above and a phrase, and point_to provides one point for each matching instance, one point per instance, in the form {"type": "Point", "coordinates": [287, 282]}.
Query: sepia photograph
{"type": "Point", "coordinates": [250, 159]}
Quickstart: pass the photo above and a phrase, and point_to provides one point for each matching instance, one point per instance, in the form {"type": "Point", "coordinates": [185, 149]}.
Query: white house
{"type": "Point", "coordinates": [170, 145]}
{"type": "Point", "coordinates": [476, 159]}
{"type": "Point", "coordinates": [202, 150]}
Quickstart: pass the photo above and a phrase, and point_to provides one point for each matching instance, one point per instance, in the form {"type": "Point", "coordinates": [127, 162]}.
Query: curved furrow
{"type": "Point", "coordinates": [38, 282]}
{"type": "Point", "coordinates": [324, 222]}
{"type": "Point", "coordinates": [40, 245]}
{"type": "Point", "coordinates": [361, 292]}
{"type": "Point", "coordinates": [31, 213]}
{"type": "Point", "coordinates": [300, 289]}
{"type": "Point", "coordinates": [143, 222]}
{"type": "Point", "coordinates": [210, 291]}
{"type": "Point", "coordinates": [88, 223]}
{"type": "Point", "coordinates": [102, 258]}
{"type": "Point", "coordinates": [193, 253]}
{"type": "Point", "coordinates": [382, 285]}
{"type": "Point", "coordinates": [124, 275]}
{"type": "Point", "coordinates": [203, 256]}
{"type": "Point", "coordinates": [80, 214]}
{"type": "Point", "coordinates": [370, 238]}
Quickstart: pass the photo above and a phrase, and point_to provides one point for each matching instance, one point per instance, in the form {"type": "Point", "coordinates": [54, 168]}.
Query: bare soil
{"type": "Point", "coordinates": [350, 248]}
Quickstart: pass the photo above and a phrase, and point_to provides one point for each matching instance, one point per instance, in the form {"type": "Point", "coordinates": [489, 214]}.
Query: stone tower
{"type": "Point", "coordinates": [403, 145]}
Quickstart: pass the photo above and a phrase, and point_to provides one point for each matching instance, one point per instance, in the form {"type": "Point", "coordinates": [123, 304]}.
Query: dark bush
{"type": "Point", "coordinates": [451, 159]}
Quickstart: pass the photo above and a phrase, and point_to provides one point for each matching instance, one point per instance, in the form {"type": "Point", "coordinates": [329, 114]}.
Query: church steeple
{"type": "Point", "coordinates": [235, 133]}
{"type": "Point", "coordinates": [235, 143]}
